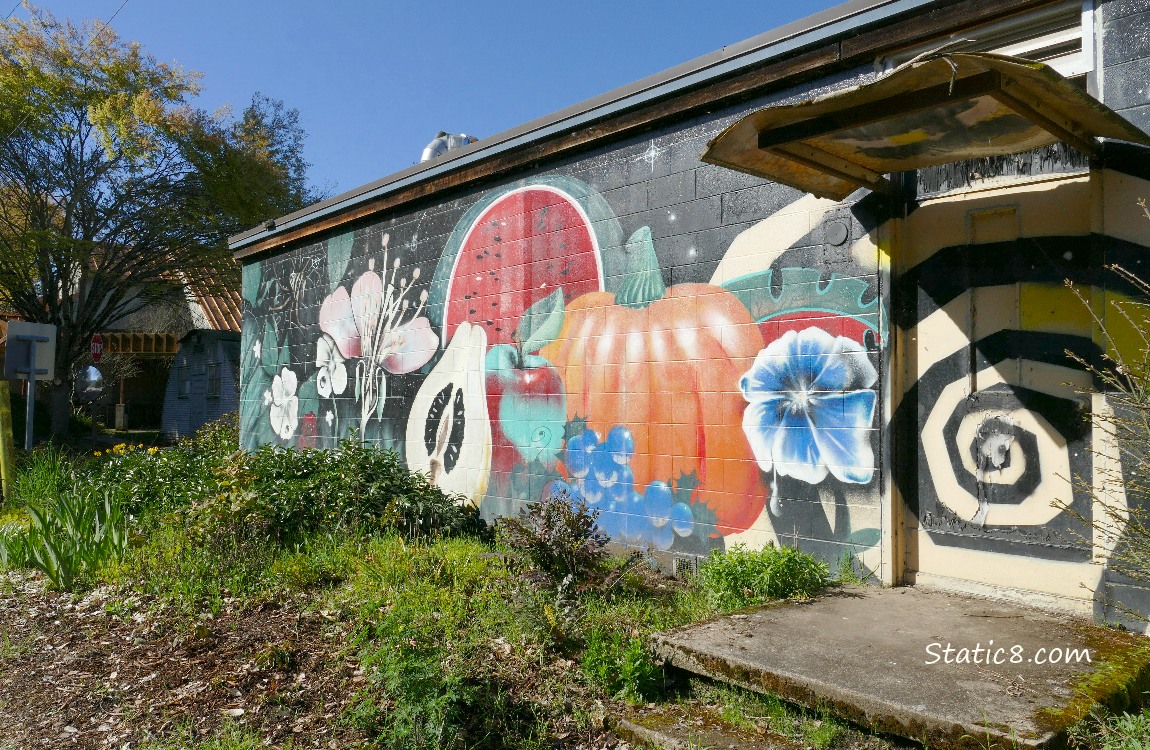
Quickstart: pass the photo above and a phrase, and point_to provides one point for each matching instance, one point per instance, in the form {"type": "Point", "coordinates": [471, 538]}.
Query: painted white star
{"type": "Point", "coordinates": [329, 417]}
{"type": "Point", "coordinates": [257, 349]}
{"type": "Point", "coordinates": [651, 155]}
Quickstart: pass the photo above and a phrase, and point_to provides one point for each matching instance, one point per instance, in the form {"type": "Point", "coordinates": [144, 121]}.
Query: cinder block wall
{"type": "Point", "coordinates": [699, 354]}
{"type": "Point", "coordinates": [1124, 35]}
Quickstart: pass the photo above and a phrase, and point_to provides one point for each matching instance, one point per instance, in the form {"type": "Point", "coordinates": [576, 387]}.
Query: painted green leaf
{"type": "Point", "coordinates": [270, 351]}
{"type": "Point", "coordinates": [338, 256]}
{"type": "Point", "coordinates": [865, 537]}
{"type": "Point", "coordinates": [252, 276]}
{"type": "Point", "coordinates": [248, 361]}
{"type": "Point", "coordinates": [542, 322]}
{"type": "Point", "coordinates": [308, 396]}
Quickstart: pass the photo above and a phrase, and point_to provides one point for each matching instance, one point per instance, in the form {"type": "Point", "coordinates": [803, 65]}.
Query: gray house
{"type": "Point", "coordinates": [203, 383]}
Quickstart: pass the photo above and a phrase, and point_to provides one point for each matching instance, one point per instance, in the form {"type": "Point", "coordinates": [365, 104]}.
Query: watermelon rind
{"type": "Point", "coordinates": [604, 225]}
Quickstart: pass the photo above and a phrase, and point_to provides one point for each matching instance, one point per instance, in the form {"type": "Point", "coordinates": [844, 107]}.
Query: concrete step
{"type": "Point", "coordinates": [684, 726]}
{"type": "Point", "coordinates": [879, 658]}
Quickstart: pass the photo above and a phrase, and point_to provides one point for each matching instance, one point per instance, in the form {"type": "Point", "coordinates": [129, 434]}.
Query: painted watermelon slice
{"type": "Point", "coordinates": [518, 245]}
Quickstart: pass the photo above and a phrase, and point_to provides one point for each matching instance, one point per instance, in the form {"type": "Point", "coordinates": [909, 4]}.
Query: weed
{"type": "Point", "coordinates": [429, 615]}
{"type": "Point", "coordinates": [767, 712]}
{"type": "Point", "coordinates": [320, 562]}
{"type": "Point", "coordinates": [41, 476]}
{"type": "Point", "coordinates": [622, 666]}
{"type": "Point", "coordinates": [849, 571]}
{"type": "Point", "coordinates": [13, 545]}
{"type": "Point", "coordinates": [194, 573]}
{"type": "Point", "coordinates": [557, 537]}
{"type": "Point", "coordinates": [73, 536]}
{"type": "Point", "coordinates": [1102, 731]}
{"type": "Point", "coordinates": [741, 578]}
{"type": "Point", "coordinates": [10, 648]}
{"type": "Point", "coordinates": [280, 657]}
{"type": "Point", "coordinates": [230, 737]}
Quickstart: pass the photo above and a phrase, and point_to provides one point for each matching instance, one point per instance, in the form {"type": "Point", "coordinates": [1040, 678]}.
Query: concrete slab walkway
{"type": "Point", "coordinates": [946, 670]}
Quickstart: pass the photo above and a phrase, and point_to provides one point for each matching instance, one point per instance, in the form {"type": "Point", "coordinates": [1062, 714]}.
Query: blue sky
{"type": "Point", "coordinates": [375, 81]}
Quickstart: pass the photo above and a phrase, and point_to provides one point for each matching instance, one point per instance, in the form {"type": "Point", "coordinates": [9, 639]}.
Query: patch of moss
{"type": "Point", "coordinates": [1119, 678]}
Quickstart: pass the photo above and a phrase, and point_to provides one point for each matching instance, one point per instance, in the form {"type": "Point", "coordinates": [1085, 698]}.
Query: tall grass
{"type": "Point", "coordinates": [742, 578]}
{"type": "Point", "coordinates": [41, 476]}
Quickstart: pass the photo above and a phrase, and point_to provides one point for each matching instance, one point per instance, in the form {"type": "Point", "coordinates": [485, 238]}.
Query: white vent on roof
{"type": "Point", "coordinates": [443, 143]}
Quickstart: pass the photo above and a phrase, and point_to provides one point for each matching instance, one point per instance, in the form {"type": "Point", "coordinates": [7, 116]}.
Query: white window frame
{"type": "Point", "coordinates": [1041, 34]}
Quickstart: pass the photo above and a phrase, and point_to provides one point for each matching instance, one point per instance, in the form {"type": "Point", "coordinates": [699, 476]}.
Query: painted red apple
{"type": "Point", "coordinates": [526, 393]}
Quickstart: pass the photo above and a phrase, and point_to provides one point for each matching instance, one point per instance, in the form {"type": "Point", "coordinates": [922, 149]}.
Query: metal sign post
{"type": "Point", "coordinates": [31, 352]}
{"type": "Point", "coordinates": [30, 371]}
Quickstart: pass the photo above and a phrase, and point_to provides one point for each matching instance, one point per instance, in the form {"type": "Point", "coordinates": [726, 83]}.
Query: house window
{"type": "Point", "coordinates": [213, 380]}
{"type": "Point", "coordinates": [183, 381]}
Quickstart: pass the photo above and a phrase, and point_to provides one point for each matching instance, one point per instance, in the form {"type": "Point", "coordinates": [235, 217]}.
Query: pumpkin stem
{"type": "Point", "coordinates": [643, 280]}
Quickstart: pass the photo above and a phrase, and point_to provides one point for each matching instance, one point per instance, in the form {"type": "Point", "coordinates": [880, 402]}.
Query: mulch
{"type": "Point", "coordinates": [87, 672]}
{"type": "Point", "coordinates": [73, 674]}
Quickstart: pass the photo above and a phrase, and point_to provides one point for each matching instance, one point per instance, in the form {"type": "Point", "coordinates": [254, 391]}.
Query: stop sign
{"type": "Point", "coordinates": [97, 348]}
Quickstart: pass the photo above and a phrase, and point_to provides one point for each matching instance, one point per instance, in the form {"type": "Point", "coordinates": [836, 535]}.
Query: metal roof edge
{"type": "Point", "coordinates": [805, 32]}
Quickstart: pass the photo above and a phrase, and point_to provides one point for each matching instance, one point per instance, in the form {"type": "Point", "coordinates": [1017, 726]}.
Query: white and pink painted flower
{"type": "Point", "coordinates": [378, 325]}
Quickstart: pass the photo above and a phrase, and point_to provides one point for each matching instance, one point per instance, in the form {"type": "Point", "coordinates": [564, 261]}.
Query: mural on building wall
{"type": "Point", "coordinates": [545, 353]}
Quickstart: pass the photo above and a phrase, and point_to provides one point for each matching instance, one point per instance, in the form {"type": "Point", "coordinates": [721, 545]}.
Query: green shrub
{"type": "Point", "coordinates": [292, 494]}
{"type": "Point", "coordinates": [151, 481]}
{"type": "Point", "coordinates": [741, 578]}
{"type": "Point", "coordinates": [621, 665]}
{"type": "Point", "coordinates": [556, 538]}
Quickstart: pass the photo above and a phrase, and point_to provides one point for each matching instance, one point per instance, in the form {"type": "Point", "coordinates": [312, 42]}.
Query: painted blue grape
{"type": "Point", "coordinates": [657, 502]}
{"type": "Point", "coordinates": [577, 456]}
{"type": "Point", "coordinates": [682, 519]}
{"type": "Point", "coordinates": [621, 444]}
{"type": "Point", "coordinates": [607, 472]}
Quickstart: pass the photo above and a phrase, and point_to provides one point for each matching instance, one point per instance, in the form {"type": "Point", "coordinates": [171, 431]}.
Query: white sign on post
{"type": "Point", "coordinates": [21, 338]}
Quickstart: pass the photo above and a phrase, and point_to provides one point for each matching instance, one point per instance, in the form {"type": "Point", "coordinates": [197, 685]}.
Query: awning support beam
{"type": "Point", "coordinates": [1052, 123]}
{"type": "Point", "coordinates": [814, 158]}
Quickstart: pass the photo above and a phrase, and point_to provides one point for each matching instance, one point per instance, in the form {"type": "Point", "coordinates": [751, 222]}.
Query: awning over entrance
{"type": "Point", "coordinates": [930, 111]}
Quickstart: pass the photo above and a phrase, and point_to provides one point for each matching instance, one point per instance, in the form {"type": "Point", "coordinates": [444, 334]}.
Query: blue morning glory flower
{"type": "Point", "coordinates": [811, 407]}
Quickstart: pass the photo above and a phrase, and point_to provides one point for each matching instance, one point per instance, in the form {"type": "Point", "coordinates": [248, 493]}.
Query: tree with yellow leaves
{"type": "Point", "coordinates": [115, 192]}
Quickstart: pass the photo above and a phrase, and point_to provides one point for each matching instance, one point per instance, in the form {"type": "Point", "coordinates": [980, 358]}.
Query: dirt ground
{"type": "Point", "coordinates": [86, 673]}
{"type": "Point", "coordinates": [73, 674]}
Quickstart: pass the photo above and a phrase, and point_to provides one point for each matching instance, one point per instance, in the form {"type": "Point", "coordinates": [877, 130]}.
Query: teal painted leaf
{"type": "Point", "coordinates": [270, 349]}
{"type": "Point", "coordinates": [865, 537]}
{"type": "Point", "coordinates": [338, 256]}
{"type": "Point", "coordinates": [252, 276]}
{"type": "Point", "coordinates": [542, 322]}
{"type": "Point", "coordinates": [308, 396]}
{"type": "Point", "coordinates": [267, 434]}
{"type": "Point", "coordinates": [249, 363]}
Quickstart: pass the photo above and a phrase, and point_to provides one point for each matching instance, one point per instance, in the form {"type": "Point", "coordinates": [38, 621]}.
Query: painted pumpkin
{"type": "Point", "coordinates": [666, 363]}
